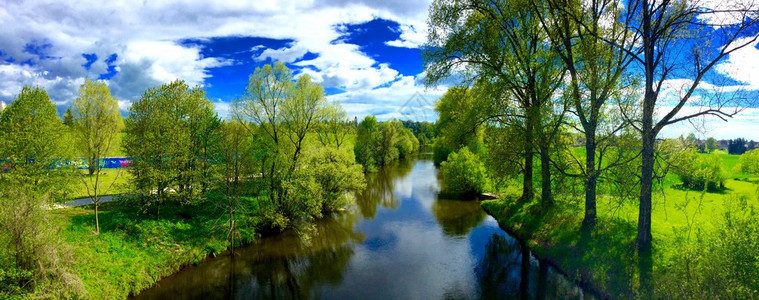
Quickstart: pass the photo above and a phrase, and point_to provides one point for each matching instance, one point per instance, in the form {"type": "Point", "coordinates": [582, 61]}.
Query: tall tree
{"type": "Point", "coordinates": [501, 43]}
{"type": "Point", "coordinates": [31, 146]}
{"type": "Point", "coordinates": [590, 39]}
{"type": "Point", "coordinates": [237, 162]}
{"type": "Point", "coordinates": [286, 112]}
{"type": "Point", "coordinates": [334, 128]}
{"type": "Point", "coordinates": [96, 124]}
{"type": "Point", "coordinates": [164, 135]}
{"type": "Point", "coordinates": [269, 87]}
{"type": "Point", "coordinates": [671, 36]}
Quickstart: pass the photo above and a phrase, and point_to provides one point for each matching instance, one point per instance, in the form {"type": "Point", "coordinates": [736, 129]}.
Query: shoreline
{"type": "Point", "coordinates": [579, 277]}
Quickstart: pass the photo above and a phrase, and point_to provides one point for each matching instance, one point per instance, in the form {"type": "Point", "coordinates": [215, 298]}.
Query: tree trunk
{"type": "Point", "coordinates": [97, 222]}
{"type": "Point", "coordinates": [528, 191]}
{"type": "Point", "coordinates": [546, 194]}
{"type": "Point", "coordinates": [648, 136]}
{"type": "Point", "coordinates": [591, 181]}
{"type": "Point", "coordinates": [646, 183]}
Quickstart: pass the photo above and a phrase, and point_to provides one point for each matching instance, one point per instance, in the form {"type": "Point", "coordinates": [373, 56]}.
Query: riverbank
{"type": "Point", "coordinates": [699, 250]}
{"type": "Point", "coordinates": [554, 240]}
{"type": "Point", "coordinates": [134, 250]}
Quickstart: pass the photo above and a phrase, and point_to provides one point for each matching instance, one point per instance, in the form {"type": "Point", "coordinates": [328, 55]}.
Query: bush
{"type": "Point", "coordinates": [464, 173]}
{"type": "Point", "coordinates": [697, 171]}
{"type": "Point", "coordinates": [717, 263]}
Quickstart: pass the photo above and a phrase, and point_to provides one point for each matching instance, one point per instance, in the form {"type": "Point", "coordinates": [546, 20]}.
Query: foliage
{"type": "Point", "coordinates": [378, 144]}
{"type": "Point", "coordinates": [424, 131]}
{"type": "Point", "coordinates": [366, 147]}
{"type": "Point", "coordinates": [30, 142]}
{"type": "Point", "coordinates": [337, 175]}
{"type": "Point", "coordinates": [286, 113]}
{"type": "Point", "coordinates": [698, 171]}
{"type": "Point", "coordinates": [736, 146]}
{"type": "Point", "coordinates": [749, 162]}
{"type": "Point", "coordinates": [459, 122]}
{"type": "Point", "coordinates": [96, 124]}
{"type": "Point", "coordinates": [711, 144]}
{"type": "Point", "coordinates": [716, 263]}
{"type": "Point", "coordinates": [335, 126]}
{"type": "Point", "coordinates": [168, 135]}
{"type": "Point", "coordinates": [464, 173]}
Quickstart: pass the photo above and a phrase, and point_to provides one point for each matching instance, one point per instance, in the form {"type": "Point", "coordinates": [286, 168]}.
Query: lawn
{"type": "Point", "coordinates": [134, 250]}
{"type": "Point", "coordinates": [116, 179]}
{"type": "Point", "coordinates": [606, 260]}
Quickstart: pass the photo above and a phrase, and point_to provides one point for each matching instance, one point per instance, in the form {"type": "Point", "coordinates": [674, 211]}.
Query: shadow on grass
{"type": "Point", "coordinates": [718, 190]}
{"type": "Point", "coordinates": [179, 225]}
{"type": "Point", "coordinates": [604, 260]}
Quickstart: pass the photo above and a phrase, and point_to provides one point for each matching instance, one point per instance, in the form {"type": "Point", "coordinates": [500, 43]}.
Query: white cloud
{"type": "Point", "coordinates": [411, 36]}
{"type": "Point", "coordinates": [167, 61]}
{"type": "Point", "coordinates": [143, 36]}
{"type": "Point", "coordinates": [403, 99]}
{"type": "Point", "coordinates": [742, 65]}
{"type": "Point", "coordinates": [741, 125]}
{"type": "Point", "coordinates": [721, 12]}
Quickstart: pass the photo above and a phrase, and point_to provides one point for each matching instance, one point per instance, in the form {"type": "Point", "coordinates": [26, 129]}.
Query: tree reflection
{"type": "Point", "coordinates": [498, 271]}
{"type": "Point", "coordinates": [457, 217]}
{"type": "Point", "coordinates": [380, 187]}
{"type": "Point", "coordinates": [284, 266]}
{"type": "Point", "coordinates": [506, 271]}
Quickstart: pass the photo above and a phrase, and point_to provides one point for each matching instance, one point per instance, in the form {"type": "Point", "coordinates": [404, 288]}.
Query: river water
{"type": "Point", "coordinates": [400, 241]}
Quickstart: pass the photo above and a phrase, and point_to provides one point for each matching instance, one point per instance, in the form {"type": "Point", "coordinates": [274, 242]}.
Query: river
{"type": "Point", "coordinates": [400, 241]}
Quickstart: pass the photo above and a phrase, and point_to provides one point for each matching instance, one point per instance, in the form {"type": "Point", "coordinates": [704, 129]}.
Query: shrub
{"type": "Point", "coordinates": [697, 171]}
{"type": "Point", "coordinates": [464, 173]}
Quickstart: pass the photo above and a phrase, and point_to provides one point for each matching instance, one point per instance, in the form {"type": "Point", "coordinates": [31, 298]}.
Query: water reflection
{"type": "Point", "coordinates": [399, 242]}
{"type": "Point", "coordinates": [284, 266]}
{"type": "Point", "coordinates": [380, 188]}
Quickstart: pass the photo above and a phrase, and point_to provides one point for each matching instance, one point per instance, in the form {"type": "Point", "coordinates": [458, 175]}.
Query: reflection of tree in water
{"type": "Point", "coordinates": [504, 272]}
{"type": "Point", "coordinates": [498, 271]}
{"type": "Point", "coordinates": [457, 217]}
{"type": "Point", "coordinates": [283, 266]}
{"type": "Point", "coordinates": [291, 268]}
{"type": "Point", "coordinates": [380, 188]}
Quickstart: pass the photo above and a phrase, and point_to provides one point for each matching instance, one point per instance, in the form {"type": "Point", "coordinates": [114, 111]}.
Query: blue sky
{"type": "Point", "coordinates": [365, 53]}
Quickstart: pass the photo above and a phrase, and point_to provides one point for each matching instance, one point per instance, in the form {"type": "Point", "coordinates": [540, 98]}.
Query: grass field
{"type": "Point", "coordinates": [606, 259]}
{"type": "Point", "coordinates": [112, 182]}
{"type": "Point", "coordinates": [134, 250]}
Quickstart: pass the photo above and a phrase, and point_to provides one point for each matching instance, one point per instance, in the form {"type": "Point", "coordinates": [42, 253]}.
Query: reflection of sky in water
{"type": "Point", "coordinates": [399, 244]}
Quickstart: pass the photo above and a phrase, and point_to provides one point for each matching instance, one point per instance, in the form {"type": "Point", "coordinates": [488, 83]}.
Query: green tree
{"type": "Point", "coordinates": [388, 139]}
{"type": "Point", "coordinates": [500, 46]}
{"type": "Point", "coordinates": [165, 134]}
{"type": "Point", "coordinates": [286, 112]}
{"type": "Point", "coordinates": [698, 171]}
{"type": "Point", "coordinates": [711, 144]}
{"type": "Point", "coordinates": [31, 147]}
{"type": "Point", "coordinates": [584, 37]}
{"type": "Point", "coordinates": [96, 124]}
{"type": "Point", "coordinates": [367, 143]}
{"type": "Point", "coordinates": [459, 123]}
{"type": "Point", "coordinates": [334, 128]}
{"type": "Point", "coordinates": [663, 29]}
{"type": "Point", "coordinates": [237, 162]}
{"type": "Point", "coordinates": [464, 173]}
{"type": "Point", "coordinates": [749, 162]}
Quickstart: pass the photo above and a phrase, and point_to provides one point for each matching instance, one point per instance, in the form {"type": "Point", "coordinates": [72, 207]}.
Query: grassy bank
{"type": "Point", "coordinates": [135, 250]}
{"type": "Point", "coordinates": [698, 249]}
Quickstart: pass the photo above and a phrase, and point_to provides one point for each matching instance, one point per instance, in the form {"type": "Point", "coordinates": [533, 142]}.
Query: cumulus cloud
{"type": "Point", "coordinates": [404, 99]}
{"type": "Point", "coordinates": [51, 38]}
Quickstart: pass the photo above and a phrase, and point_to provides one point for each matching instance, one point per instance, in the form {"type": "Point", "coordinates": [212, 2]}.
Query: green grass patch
{"type": "Point", "coordinates": [116, 179]}
{"type": "Point", "coordinates": [135, 250]}
{"type": "Point", "coordinates": [606, 259]}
